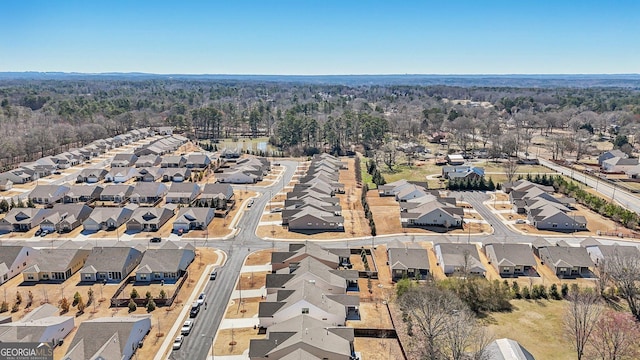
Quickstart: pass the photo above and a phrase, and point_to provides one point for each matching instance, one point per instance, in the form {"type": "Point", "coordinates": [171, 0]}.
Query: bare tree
{"type": "Point", "coordinates": [624, 272]}
{"type": "Point", "coordinates": [389, 156]}
{"type": "Point", "coordinates": [581, 318]}
{"type": "Point", "coordinates": [510, 167]}
{"type": "Point", "coordinates": [614, 337]}
{"type": "Point", "coordinates": [447, 327]}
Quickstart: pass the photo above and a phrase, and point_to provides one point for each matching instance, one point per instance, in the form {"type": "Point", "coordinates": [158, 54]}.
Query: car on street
{"type": "Point", "coordinates": [195, 309]}
{"type": "Point", "coordinates": [177, 343]}
{"type": "Point", "coordinates": [201, 298]}
{"type": "Point", "coordinates": [186, 327]}
{"type": "Point", "coordinates": [250, 203]}
{"type": "Point", "coordinates": [155, 240]}
{"type": "Point", "coordinates": [213, 275]}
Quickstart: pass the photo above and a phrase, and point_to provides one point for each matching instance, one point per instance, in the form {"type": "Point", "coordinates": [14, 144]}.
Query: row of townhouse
{"type": "Point", "coordinates": [248, 170]}
{"type": "Point", "coordinates": [544, 211]}
{"type": "Point", "coordinates": [99, 338]}
{"type": "Point", "coordinates": [71, 210]}
{"type": "Point", "coordinates": [420, 207]}
{"type": "Point", "coordinates": [307, 306]}
{"type": "Point", "coordinates": [312, 204]}
{"type": "Point", "coordinates": [98, 264]}
{"type": "Point", "coordinates": [28, 172]}
{"type": "Point", "coordinates": [163, 146]}
{"type": "Point", "coordinates": [195, 160]}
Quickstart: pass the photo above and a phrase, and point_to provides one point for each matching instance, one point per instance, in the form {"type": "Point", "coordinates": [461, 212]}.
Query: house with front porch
{"type": "Point", "coordinates": [149, 218]}
{"type": "Point", "coordinates": [110, 264]}
{"type": "Point", "coordinates": [167, 264]}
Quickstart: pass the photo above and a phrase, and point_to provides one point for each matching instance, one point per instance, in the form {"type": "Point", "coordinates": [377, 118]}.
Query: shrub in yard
{"type": "Point", "coordinates": [148, 295]}
{"type": "Point", "coordinates": [81, 306]}
{"type": "Point", "coordinates": [76, 298]}
{"type": "Point", "coordinates": [554, 293]}
{"type": "Point", "coordinates": [132, 306]}
{"type": "Point", "coordinates": [564, 290]}
{"type": "Point", "coordinates": [64, 305]}
{"type": "Point", "coordinates": [516, 290]}
{"type": "Point", "coordinates": [163, 294]}
{"type": "Point", "coordinates": [4, 307]}
{"type": "Point", "coordinates": [15, 307]}
{"type": "Point", "coordinates": [151, 305]}
{"type": "Point", "coordinates": [134, 294]}
{"type": "Point", "coordinates": [525, 293]}
{"type": "Point", "coordinates": [18, 298]}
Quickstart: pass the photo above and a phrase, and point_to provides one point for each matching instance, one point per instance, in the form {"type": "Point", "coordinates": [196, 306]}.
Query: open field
{"type": "Point", "coordinates": [537, 325]}
{"type": "Point", "coordinates": [259, 258]}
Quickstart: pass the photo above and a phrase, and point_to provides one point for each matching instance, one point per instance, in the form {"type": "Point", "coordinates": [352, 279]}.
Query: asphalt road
{"type": "Point", "coordinates": [620, 196]}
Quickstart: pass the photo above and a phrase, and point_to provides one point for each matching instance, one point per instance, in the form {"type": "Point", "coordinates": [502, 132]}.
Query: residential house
{"type": "Point", "coordinates": [304, 337]}
{"type": "Point", "coordinates": [168, 263]}
{"type": "Point", "coordinates": [5, 184]}
{"type": "Point", "coordinates": [65, 217]}
{"type": "Point", "coordinates": [41, 325]}
{"type": "Point", "coordinates": [462, 172]}
{"type": "Point", "coordinates": [23, 219]}
{"type": "Point", "coordinates": [632, 173]}
{"type": "Point", "coordinates": [120, 174]}
{"type": "Point", "coordinates": [236, 177]}
{"type": "Point", "coordinates": [454, 159]}
{"type": "Point", "coordinates": [17, 176]}
{"type": "Point", "coordinates": [219, 196]}
{"type": "Point", "coordinates": [600, 253]}
{"type": "Point", "coordinates": [91, 176]}
{"type": "Point", "coordinates": [459, 259]}
{"type": "Point", "coordinates": [55, 264]}
{"type": "Point", "coordinates": [173, 161]}
{"type": "Point", "coordinates": [117, 193]}
{"type": "Point", "coordinates": [610, 155]}
{"type": "Point", "coordinates": [566, 261]}
{"type": "Point", "coordinates": [198, 161]}
{"type": "Point", "coordinates": [148, 193]}
{"type": "Point", "coordinates": [109, 338]}
{"type": "Point", "coordinates": [48, 194]}
{"type": "Point", "coordinates": [550, 218]}
{"type": "Point", "coordinates": [619, 165]}
{"type": "Point", "coordinates": [149, 219]}
{"type": "Point", "coordinates": [164, 130]}
{"type": "Point", "coordinates": [182, 193]}
{"type": "Point", "coordinates": [307, 219]}
{"type": "Point", "coordinates": [149, 174]}
{"type": "Point", "coordinates": [408, 261]}
{"type": "Point", "coordinates": [310, 270]}
{"type": "Point", "coordinates": [433, 213]}
{"type": "Point", "coordinates": [124, 160]}
{"type": "Point", "coordinates": [146, 161]}
{"type": "Point", "coordinates": [108, 218]}
{"type": "Point", "coordinates": [176, 174]}
{"type": "Point", "coordinates": [298, 252]}
{"type": "Point", "coordinates": [82, 194]}
{"type": "Point", "coordinates": [14, 259]}
{"type": "Point", "coordinates": [511, 259]}
{"type": "Point", "coordinates": [193, 218]}
{"type": "Point", "coordinates": [307, 300]}
{"type": "Point", "coordinates": [506, 349]}
{"type": "Point", "coordinates": [110, 264]}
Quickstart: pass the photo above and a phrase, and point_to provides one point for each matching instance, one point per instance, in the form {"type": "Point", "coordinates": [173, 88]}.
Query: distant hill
{"type": "Point", "coordinates": [528, 81]}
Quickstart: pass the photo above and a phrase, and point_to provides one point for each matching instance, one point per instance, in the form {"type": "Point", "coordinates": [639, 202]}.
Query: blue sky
{"type": "Point", "coordinates": [321, 36]}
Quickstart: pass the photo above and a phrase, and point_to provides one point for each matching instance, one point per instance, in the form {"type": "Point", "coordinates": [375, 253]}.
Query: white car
{"type": "Point", "coordinates": [201, 299]}
{"type": "Point", "coordinates": [177, 343]}
{"type": "Point", "coordinates": [186, 327]}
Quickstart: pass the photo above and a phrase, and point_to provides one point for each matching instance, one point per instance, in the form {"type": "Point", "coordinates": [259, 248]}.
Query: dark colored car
{"type": "Point", "coordinates": [156, 239]}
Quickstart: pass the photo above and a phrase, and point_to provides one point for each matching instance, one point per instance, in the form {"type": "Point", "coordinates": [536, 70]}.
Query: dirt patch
{"type": "Point", "coordinates": [234, 341]}
{"type": "Point", "coordinates": [261, 257]}
{"type": "Point", "coordinates": [378, 349]}
{"type": "Point", "coordinates": [248, 308]}
{"type": "Point", "coordinates": [252, 280]}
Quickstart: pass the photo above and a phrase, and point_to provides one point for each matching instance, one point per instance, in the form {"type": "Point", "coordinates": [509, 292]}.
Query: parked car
{"type": "Point", "coordinates": [44, 233]}
{"type": "Point", "coordinates": [195, 309]}
{"type": "Point", "coordinates": [156, 239]}
{"type": "Point", "coordinates": [177, 343]}
{"type": "Point", "coordinates": [201, 298]}
{"type": "Point", "coordinates": [250, 203]}
{"type": "Point", "coordinates": [213, 275]}
{"type": "Point", "coordinates": [186, 327]}
{"type": "Point", "coordinates": [38, 232]}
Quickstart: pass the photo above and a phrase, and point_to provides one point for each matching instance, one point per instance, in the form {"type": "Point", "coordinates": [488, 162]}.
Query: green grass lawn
{"type": "Point", "coordinates": [414, 173]}
{"type": "Point", "coordinates": [366, 177]}
{"type": "Point", "coordinates": [537, 325]}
